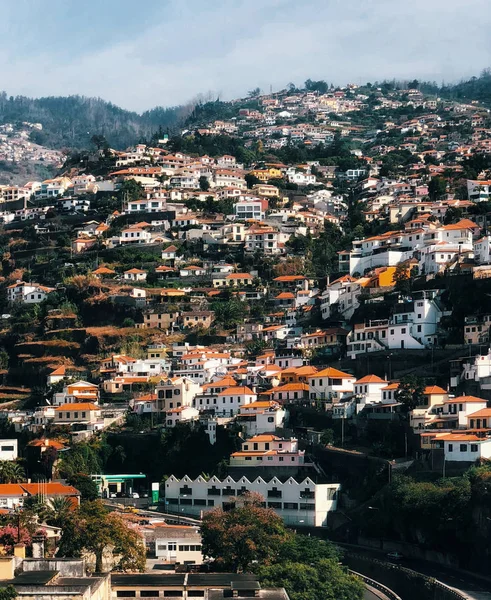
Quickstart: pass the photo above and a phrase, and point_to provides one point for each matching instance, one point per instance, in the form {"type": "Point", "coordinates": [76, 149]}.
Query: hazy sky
{"type": "Point", "coordinates": [142, 53]}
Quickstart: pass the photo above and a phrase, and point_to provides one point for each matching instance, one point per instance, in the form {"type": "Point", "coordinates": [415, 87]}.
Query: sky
{"type": "Point", "coordinates": [142, 53]}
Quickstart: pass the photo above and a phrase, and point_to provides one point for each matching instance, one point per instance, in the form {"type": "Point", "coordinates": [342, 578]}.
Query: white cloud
{"type": "Point", "coordinates": [189, 47]}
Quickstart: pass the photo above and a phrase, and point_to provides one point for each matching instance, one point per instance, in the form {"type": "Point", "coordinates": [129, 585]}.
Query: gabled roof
{"type": "Point", "coordinates": [371, 379]}
{"type": "Point", "coordinates": [484, 412]}
{"type": "Point", "coordinates": [465, 400]}
{"type": "Point", "coordinates": [434, 389]}
{"type": "Point", "coordinates": [237, 391]}
{"type": "Point", "coordinates": [332, 373]}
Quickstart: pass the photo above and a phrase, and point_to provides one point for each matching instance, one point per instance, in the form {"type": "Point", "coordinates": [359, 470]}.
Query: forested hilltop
{"type": "Point", "coordinates": [71, 121]}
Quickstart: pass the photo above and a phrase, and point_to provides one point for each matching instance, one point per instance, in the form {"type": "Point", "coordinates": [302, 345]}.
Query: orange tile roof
{"type": "Point", "coordinates": [285, 296]}
{"type": "Point", "coordinates": [77, 406]}
{"type": "Point", "coordinates": [332, 373]}
{"type": "Point", "coordinates": [11, 489]}
{"type": "Point", "coordinates": [484, 412]}
{"type": "Point", "coordinates": [44, 443]}
{"type": "Point", "coordinates": [261, 404]}
{"type": "Point", "coordinates": [461, 437]}
{"type": "Point", "coordinates": [264, 438]}
{"type": "Point", "coordinates": [434, 389]}
{"type": "Point", "coordinates": [55, 489]}
{"type": "Point", "coordinates": [290, 387]}
{"type": "Point", "coordinates": [464, 399]}
{"type": "Point", "coordinates": [391, 386]}
{"type": "Point", "coordinates": [371, 379]}
{"type": "Point", "coordinates": [290, 278]}
{"type": "Point", "coordinates": [237, 391]}
{"type": "Point", "coordinates": [104, 271]}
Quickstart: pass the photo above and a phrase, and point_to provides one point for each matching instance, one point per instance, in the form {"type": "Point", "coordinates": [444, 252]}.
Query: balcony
{"type": "Point", "coordinates": [214, 492]}
{"type": "Point", "coordinates": [307, 495]}
{"type": "Point", "coordinates": [274, 493]}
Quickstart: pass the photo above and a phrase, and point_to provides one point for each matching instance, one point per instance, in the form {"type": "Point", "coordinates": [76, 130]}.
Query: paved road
{"type": "Point", "coordinates": [472, 586]}
{"type": "Point", "coordinates": [371, 593]}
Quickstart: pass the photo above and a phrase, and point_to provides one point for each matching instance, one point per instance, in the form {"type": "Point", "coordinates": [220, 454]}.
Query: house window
{"type": "Point", "coordinates": [463, 447]}
{"type": "Point", "coordinates": [450, 447]}
{"type": "Point", "coordinates": [473, 447]}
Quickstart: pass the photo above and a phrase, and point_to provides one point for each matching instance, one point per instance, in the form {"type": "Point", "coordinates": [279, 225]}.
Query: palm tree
{"type": "Point", "coordinates": [60, 510]}
{"type": "Point", "coordinates": [11, 472]}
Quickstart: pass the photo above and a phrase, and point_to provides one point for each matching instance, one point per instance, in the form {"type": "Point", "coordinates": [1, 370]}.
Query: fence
{"type": "Point", "coordinates": [376, 585]}
{"type": "Point", "coordinates": [409, 584]}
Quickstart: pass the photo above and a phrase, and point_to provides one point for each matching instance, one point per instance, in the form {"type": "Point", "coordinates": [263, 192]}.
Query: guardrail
{"type": "Point", "coordinates": [376, 585]}
{"type": "Point", "coordinates": [454, 593]}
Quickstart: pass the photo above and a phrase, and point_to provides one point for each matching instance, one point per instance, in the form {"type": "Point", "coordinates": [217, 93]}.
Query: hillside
{"type": "Point", "coordinates": [475, 88]}
{"type": "Point", "coordinates": [71, 121]}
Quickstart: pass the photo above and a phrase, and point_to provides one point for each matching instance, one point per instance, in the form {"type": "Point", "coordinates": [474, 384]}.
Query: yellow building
{"type": "Point", "coordinates": [266, 174]}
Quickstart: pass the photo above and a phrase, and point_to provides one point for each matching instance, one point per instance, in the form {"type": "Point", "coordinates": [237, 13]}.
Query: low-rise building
{"type": "Point", "coordinates": [297, 502]}
{"type": "Point", "coordinates": [178, 544]}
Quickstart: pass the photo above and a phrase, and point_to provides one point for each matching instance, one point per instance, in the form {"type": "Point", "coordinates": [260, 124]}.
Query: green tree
{"type": "Point", "coordinates": [247, 533]}
{"type": "Point", "coordinates": [8, 593]}
{"type": "Point", "coordinates": [93, 529]}
{"type": "Point", "coordinates": [204, 184]}
{"type": "Point", "coordinates": [325, 579]}
{"type": "Point", "coordinates": [402, 279]}
{"type": "Point", "coordinates": [11, 472]}
{"type": "Point", "coordinates": [410, 392]}
{"type": "Point", "coordinates": [316, 86]}
{"type": "Point", "coordinates": [437, 188]}
{"type": "Point", "coordinates": [251, 180]}
{"type": "Point", "coordinates": [85, 485]}
{"type": "Point", "coordinates": [229, 313]}
{"type": "Point", "coordinates": [59, 511]}
{"type": "Point", "coordinates": [131, 190]}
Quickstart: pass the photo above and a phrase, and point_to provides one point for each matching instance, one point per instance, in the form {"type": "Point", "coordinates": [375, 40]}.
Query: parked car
{"type": "Point", "coordinates": [135, 495]}
{"type": "Point", "coordinates": [395, 556]}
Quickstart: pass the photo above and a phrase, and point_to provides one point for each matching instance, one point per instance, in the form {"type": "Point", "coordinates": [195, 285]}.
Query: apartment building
{"type": "Point", "coordinates": [297, 502]}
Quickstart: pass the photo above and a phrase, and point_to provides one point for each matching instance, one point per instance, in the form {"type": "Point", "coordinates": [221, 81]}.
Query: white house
{"type": "Point", "coordinates": [182, 414]}
{"type": "Point", "coordinates": [232, 399]}
{"type": "Point", "coordinates": [464, 447]}
{"type": "Point", "coordinates": [368, 390]}
{"type": "Point", "coordinates": [268, 451]}
{"type": "Point", "coordinates": [176, 392]}
{"type": "Point", "coordinates": [28, 293]}
{"type": "Point", "coordinates": [135, 275]}
{"type": "Point", "coordinates": [297, 502]}
{"type": "Point", "coordinates": [180, 544]}
{"type": "Point", "coordinates": [135, 235]}
{"type": "Point", "coordinates": [330, 384]}
{"type": "Point", "coordinates": [261, 417]}
{"type": "Point", "coordinates": [8, 450]}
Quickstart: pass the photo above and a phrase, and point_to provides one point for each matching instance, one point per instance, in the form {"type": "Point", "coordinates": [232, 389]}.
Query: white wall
{"type": "Point", "coordinates": [8, 449]}
{"type": "Point", "coordinates": [308, 511]}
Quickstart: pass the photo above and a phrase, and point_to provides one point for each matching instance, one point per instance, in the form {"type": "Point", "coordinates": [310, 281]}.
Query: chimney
{"type": "Point", "coordinates": [20, 550]}
{"type": "Point", "coordinates": [38, 545]}
{"type": "Point", "coordinates": [306, 285]}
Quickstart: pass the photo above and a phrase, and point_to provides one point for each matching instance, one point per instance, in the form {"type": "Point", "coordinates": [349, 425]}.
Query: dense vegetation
{"type": "Point", "coordinates": [249, 537]}
{"type": "Point", "coordinates": [71, 121]}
